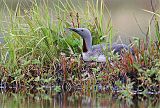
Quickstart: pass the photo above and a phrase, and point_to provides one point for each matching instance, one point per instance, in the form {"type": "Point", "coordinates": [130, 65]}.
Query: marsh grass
{"type": "Point", "coordinates": [33, 36]}
{"type": "Point", "coordinates": [34, 33]}
{"type": "Point", "coordinates": [39, 52]}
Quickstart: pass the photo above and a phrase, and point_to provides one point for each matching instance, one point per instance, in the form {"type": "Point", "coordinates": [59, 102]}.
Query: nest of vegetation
{"type": "Point", "coordinates": [137, 74]}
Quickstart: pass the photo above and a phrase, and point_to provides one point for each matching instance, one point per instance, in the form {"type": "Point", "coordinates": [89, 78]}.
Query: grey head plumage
{"type": "Point", "coordinates": [86, 36]}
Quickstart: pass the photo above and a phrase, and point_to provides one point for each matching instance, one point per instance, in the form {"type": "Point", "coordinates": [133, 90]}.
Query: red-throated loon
{"type": "Point", "coordinates": [95, 52]}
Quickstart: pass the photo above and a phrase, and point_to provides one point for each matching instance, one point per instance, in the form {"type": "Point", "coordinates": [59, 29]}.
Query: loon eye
{"type": "Point", "coordinates": [82, 30]}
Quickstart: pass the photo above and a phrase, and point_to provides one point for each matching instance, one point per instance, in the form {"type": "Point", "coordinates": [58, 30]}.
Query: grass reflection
{"type": "Point", "coordinates": [75, 99]}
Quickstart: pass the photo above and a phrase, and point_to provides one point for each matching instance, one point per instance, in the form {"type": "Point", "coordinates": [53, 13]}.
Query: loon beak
{"type": "Point", "coordinates": [73, 29]}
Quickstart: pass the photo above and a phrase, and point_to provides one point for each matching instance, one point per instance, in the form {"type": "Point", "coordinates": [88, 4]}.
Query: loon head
{"type": "Point", "coordinates": [86, 36]}
{"type": "Point", "coordinates": [83, 32]}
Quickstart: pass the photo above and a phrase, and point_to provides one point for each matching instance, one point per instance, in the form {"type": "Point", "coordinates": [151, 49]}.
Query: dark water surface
{"type": "Point", "coordinates": [74, 100]}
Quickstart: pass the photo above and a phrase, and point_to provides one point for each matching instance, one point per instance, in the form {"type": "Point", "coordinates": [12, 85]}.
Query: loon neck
{"type": "Point", "coordinates": [87, 44]}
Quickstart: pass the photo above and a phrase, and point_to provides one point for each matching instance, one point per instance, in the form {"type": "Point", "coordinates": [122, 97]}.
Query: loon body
{"type": "Point", "coordinates": [96, 52]}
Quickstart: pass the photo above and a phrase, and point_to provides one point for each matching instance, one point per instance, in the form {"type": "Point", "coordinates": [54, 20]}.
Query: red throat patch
{"type": "Point", "coordinates": [84, 46]}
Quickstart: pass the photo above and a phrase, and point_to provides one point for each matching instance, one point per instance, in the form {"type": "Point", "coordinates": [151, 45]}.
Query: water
{"type": "Point", "coordinates": [74, 100]}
